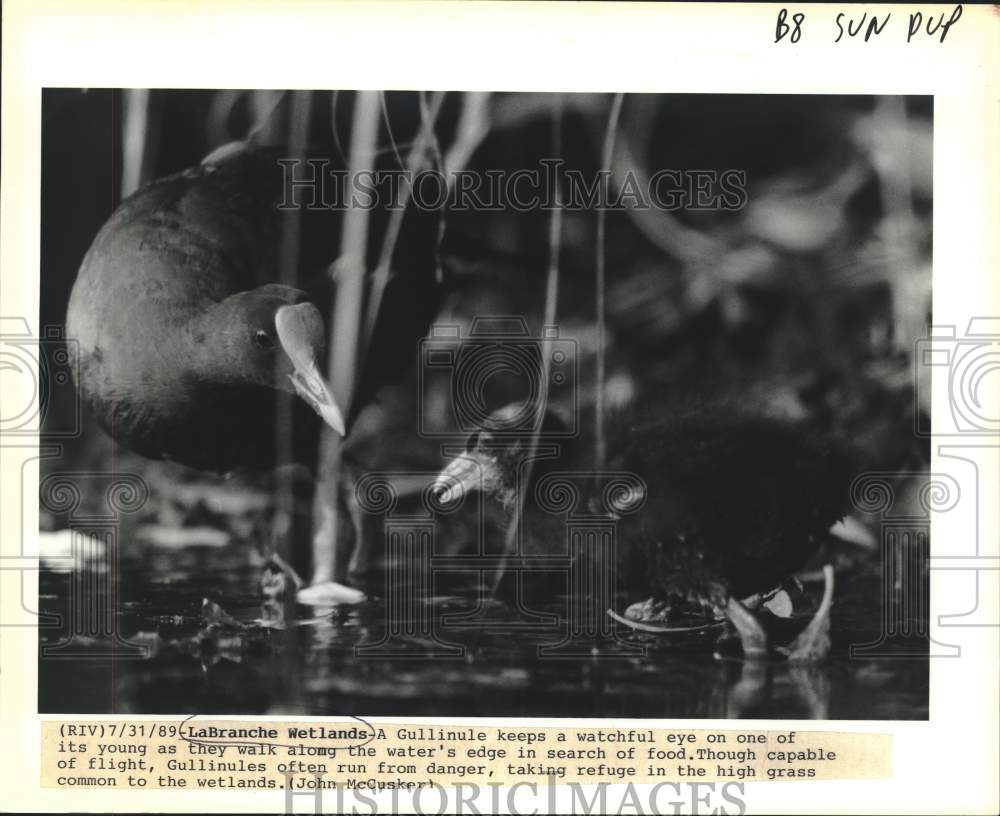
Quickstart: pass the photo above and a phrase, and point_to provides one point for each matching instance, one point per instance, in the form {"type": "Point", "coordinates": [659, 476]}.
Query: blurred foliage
{"type": "Point", "coordinates": [807, 301]}
{"type": "Point", "coordinates": [804, 303]}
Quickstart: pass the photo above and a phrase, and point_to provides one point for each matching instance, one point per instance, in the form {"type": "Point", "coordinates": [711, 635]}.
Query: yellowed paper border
{"type": "Point", "coordinates": [946, 765]}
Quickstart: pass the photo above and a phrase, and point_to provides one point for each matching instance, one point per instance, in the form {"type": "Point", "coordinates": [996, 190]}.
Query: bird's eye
{"type": "Point", "coordinates": [474, 440]}
{"type": "Point", "coordinates": [263, 340]}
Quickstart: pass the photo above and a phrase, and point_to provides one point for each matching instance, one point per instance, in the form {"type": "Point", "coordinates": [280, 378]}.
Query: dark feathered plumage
{"type": "Point", "coordinates": [186, 335]}
{"type": "Point", "coordinates": [732, 505]}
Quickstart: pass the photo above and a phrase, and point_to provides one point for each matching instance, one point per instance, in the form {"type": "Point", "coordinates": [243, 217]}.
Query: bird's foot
{"type": "Point", "coordinates": [813, 642]}
{"type": "Point", "coordinates": [753, 638]}
{"type": "Point", "coordinates": [279, 579]}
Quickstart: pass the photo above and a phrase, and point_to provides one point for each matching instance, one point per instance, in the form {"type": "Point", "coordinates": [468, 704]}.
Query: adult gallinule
{"type": "Point", "coordinates": [732, 506]}
{"type": "Point", "coordinates": [184, 331]}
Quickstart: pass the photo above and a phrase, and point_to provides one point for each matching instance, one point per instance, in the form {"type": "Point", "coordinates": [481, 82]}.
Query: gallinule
{"type": "Point", "coordinates": [184, 331]}
{"type": "Point", "coordinates": [733, 505]}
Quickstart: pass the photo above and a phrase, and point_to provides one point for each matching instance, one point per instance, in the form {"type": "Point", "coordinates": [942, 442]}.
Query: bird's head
{"type": "Point", "coordinates": [273, 337]}
{"type": "Point", "coordinates": [494, 454]}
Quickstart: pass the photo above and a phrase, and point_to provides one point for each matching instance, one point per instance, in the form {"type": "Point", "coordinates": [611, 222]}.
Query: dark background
{"type": "Point", "coordinates": [805, 304]}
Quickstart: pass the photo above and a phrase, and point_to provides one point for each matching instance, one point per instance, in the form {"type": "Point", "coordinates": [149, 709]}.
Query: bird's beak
{"type": "Point", "coordinates": [461, 476]}
{"type": "Point", "coordinates": [301, 334]}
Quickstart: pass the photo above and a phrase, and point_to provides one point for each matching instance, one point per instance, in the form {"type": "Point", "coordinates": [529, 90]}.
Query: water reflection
{"type": "Point", "coordinates": [276, 657]}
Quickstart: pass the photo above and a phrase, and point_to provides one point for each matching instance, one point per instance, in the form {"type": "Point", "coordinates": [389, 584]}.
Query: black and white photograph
{"type": "Point", "coordinates": [493, 404]}
{"type": "Point", "coordinates": [427, 406]}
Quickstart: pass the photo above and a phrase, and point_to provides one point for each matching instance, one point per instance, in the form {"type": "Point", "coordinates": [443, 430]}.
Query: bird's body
{"type": "Point", "coordinates": [156, 278]}
{"type": "Point", "coordinates": [174, 318]}
{"type": "Point", "coordinates": [734, 505]}
{"type": "Point", "coordinates": [730, 506]}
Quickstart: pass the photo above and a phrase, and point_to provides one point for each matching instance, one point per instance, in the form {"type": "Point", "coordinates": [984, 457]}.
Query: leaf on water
{"type": "Point", "coordinates": [212, 613]}
{"type": "Point", "coordinates": [780, 604]}
{"type": "Point", "coordinates": [225, 500]}
{"type": "Point", "coordinates": [64, 549]}
{"type": "Point", "coordinates": [329, 593]}
{"type": "Point", "coordinates": [149, 640]}
{"type": "Point", "coordinates": [176, 538]}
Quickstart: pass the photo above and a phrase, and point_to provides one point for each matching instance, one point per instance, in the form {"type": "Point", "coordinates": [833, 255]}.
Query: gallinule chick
{"type": "Point", "coordinates": [184, 333]}
{"type": "Point", "coordinates": [733, 506]}
{"type": "Point", "coordinates": [494, 456]}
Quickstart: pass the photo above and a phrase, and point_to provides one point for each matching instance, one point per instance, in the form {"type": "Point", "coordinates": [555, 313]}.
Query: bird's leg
{"type": "Point", "coordinates": [290, 528]}
{"type": "Point", "coordinates": [325, 530]}
{"type": "Point", "coordinates": [813, 642]}
{"type": "Point", "coordinates": [753, 638]}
